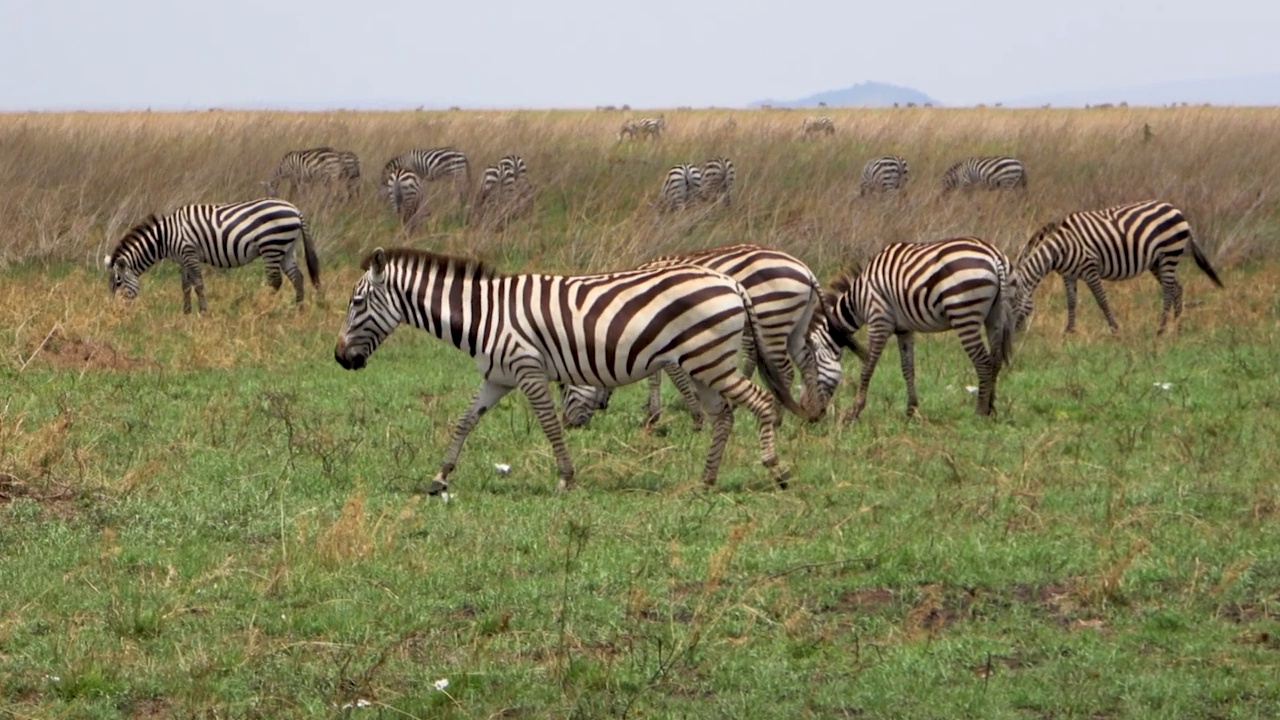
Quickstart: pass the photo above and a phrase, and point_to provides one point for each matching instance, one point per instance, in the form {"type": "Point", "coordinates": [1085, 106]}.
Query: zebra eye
{"type": "Point", "coordinates": [356, 299]}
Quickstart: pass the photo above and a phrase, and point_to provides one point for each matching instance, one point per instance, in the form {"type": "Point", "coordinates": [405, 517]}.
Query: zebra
{"type": "Point", "coordinates": [432, 165]}
{"type": "Point", "coordinates": [224, 236]}
{"type": "Point", "coordinates": [993, 173]}
{"type": "Point", "coordinates": [503, 181]}
{"type": "Point", "coordinates": [407, 197]}
{"type": "Point", "coordinates": [680, 188]}
{"type": "Point", "coordinates": [648, 127]}
{"type": "Point", "coordinates": [819, 126]}
{"type": "Point", "coordinates": [316, 164]}
{"type": "Point", "coordinates": [604, 330]}
{"type": "Point", "coordinates": [959, 284]}
{"type": "Point", "coordinates": [1115, 243]}
{"type": "Point", "coordinates": [884, 174]}
{"type": "Point", "coordinates": [718, 177]}
{"type": "Point", "coordinates": [788, 301]}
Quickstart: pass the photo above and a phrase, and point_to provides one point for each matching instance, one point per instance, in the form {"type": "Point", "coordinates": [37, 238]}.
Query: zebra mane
{"type": "Point", "coordinates": [427, 259]}
{"type": "Point", "coordinates": [1038, 237]}
{"type": "Point", "coordinates": [135, 232]}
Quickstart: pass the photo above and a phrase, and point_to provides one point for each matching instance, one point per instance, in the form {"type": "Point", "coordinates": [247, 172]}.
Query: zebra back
{"type": "Point", "coordinates": [995, 173]}
{"type": "Point", "coordinates": [680, 187]}
{"type": "Point", "coordinates": [718, 177]}
{"type": "Point", "coordinates": [884, 174]}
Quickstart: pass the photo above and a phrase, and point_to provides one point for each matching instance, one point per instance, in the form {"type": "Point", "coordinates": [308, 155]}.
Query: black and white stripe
{"type": "Point", "coordinates": [961, 284]}
{"type": "Point", "coordinates": [432, 165]}
{"type": "Point", "coordinates": [503, 181]}
{"type": "Point", "coordinates": [1115, 243]}
{"type": "Point", "coordinates": [224, 236]}
{"type": "Point", "coordinates": [526, 331]}
{"type": "Point", "coordinates": [788, 302]}
{"type": "Point", "coordinates": [718, 178]}
{"type": "Point", "coordinates": [822, 125]}
{"type": "Point", "coordinates": [992, 173]}
{"type": "Point", "coordinates": [681, 187]}
{"type": "Point", "coordinates": [884, 174]}
{"type": "Point", "coordinates": [406, 196]}
{"type": "Point", "coordinates": [313, 165]}
{"type": "Point", "coordinates": [648, 127]}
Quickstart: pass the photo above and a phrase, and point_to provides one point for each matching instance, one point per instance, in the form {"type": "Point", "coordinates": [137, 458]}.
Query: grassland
{"type": "Point", "coordinates": [206, 516]}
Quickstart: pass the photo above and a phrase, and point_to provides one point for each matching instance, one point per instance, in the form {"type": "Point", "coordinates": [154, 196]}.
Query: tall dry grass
{"type": "Point", "coordinates": [71, 184]}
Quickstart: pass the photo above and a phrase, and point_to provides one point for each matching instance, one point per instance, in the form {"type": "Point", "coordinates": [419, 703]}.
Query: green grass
{"type": "Point", "coordinates": [206, 516]}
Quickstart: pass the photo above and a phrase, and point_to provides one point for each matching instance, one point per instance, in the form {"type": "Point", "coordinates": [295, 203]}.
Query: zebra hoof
{"type": "Point", "coordinates": [437, 486]}
{"type": "Point", "coordinates": [781, 477]}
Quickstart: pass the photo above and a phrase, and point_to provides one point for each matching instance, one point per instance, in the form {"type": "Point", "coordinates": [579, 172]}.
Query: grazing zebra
{"type": "Point", "coordinates": [649, 127]}
{"type": "Point", "coordinates": [432, 165]}
{"type": "Point", "coordinates": [960, 284]}
{"type": "Point", "coordinates": [504, 180]}
{"type": "Point", "coordinates": [718, 177]}
{"type": "Point", "coordinates": [604, 330]}
{"type": "Point", "coordinates": [681, 187]}
{"type": "Point", "coordinates": [993, 173]}
{"type": "Point", "coordinates": [1116, 243]}
{"type": "Point", "coordinates": [788, 301]}
{"type": "Point", "coordinates": [819, 126]}
{"type": "Point", "coordinates": [405, 188]}
{"type": "Point", "coordinates": [884, 174]}
{"type": "Point", "coordinates": [323, 164]}
{"type": "Point", "coordinates": [224, 236]}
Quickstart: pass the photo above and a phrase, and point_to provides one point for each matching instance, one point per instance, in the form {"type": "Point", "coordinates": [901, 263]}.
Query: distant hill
{"type": "Point", "coordinates": [1239, 90]}
{"type": "Point", "coordinates": [868, 94]}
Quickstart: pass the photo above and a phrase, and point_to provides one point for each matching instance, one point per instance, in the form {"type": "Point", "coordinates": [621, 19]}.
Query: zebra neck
{"type": "Point", "coordinates": [1035, 266]}
{"type": "Point", "coordinates": [451, 307]}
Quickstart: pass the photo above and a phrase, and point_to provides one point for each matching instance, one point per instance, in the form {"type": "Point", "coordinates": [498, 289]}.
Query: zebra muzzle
{"type": "Point", "coordinates": [349, 360]}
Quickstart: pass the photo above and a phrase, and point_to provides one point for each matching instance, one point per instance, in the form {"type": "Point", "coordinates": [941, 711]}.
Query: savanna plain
{"type": "Point", "coordinates": [205, 516]}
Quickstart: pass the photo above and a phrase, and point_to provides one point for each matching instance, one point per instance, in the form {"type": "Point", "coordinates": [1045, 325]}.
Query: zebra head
{"type": "Point", "coordinates": [371, 315]}
{"type": "Point", "coordinates": [581, 402]}
{"type": "Point", "coordinates": [826, 353]}
{"type": "Point", "coordinates": [120, 276]}
{"type": "Point", "coordinates": [845, 307]}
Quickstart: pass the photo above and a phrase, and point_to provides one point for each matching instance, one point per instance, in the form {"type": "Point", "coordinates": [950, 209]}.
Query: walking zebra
{"type": "Point", "coordinates": [681, 187]}
{"type": "Point", "coordinates": [819, 126]}
{"type": "Point", "coordinates": [432, 165]}
{"type": "Point", "coordinates": [224, 236]}
{"type": "Point", "coordinates": [960, 284]}
{"type": "Point", "coordinates": [788, 301]}
{"type": "Point", "coordinates": [718, 177]}
{"type": "Point", "coordinates": [1116, 243]}
{"type": "Point", "coordinates": [604, 330]}
{"type": "Point", "coordinates": [406, 197]}
{"type": "Point", "coordinates": [649, 127]}
{"type": "Point", "coordinates": [884, 174]}
{"type": "Point", "coordinates": [993, 173]}
{"type": "Point", "coordinates": [320, 164]}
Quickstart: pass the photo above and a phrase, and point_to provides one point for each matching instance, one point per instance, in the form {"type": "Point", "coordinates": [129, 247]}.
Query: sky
{"type": "Point", "coordinates": [179, 54]}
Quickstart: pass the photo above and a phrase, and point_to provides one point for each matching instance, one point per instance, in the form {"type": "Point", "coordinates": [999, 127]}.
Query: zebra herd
{"type": "Point", "coordinates": [687, 316]}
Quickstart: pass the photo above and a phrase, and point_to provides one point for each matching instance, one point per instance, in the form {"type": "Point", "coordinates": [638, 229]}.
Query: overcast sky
{"type": "Point", "coordinates": [109, 54]}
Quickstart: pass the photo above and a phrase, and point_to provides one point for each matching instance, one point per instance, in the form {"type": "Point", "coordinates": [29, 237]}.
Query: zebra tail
{"type": "Point", "coordinates": [772, 376]}
{"type": "Point", "coordinates": [1202, 262]}
{"type": "Point", "coordinates": [309, 249]}
{"type": "Point", "coordinates": [1006, 324]}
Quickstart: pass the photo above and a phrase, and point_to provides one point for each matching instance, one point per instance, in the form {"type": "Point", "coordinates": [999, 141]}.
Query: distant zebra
{"type": "Point", "coordinates": [1116, 243]}
{"type": "Point", "coordinates": [603, 330]}
{"type": "Point", "coordinates": [505, 191]}
{"type": "Point", "coordinates": [223, 236]}
{"type": "Point", "coordinates": [405, 190]}
{"type": "Point", "coordinates": [649, 127]}
{"type": "Point", "coordinates": [961, 284]}
{"type": "Point", "coordinates": [993, 173]}
{"type": "Point", "coordinates": [884, 174]}
{"type": "Point", "coordinates": [432, 165]}
{"type": "Point", "coordinates": [819, 126]}
{"type": "Point", "coordinates": [680, 188]}
{"type": "Point", "coordinates": [718, 177]}
{"type": "Point", "coordinates": [320, 164]}
{"type": "Point", "coordinates": [788, 301]}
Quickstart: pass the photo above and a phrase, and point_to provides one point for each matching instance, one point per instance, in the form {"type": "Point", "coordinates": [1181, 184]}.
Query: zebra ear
{"type": "Point", "coordinates": [106, 262]}
{"type": "Point", "coordinates": [119, 263]}
{"type": "Point", "coordinates": [378, 262]}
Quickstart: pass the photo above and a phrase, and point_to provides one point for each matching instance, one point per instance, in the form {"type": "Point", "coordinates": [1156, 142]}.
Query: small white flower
{"type": "Point", "coordinates": [1162, 385]}
{"type": "Point", "coordinates": [971, 389]}
{"type": "Point", "coordinates": [442, 683]}
{"type": "Point", "coordinates": [446, 497]}
{"type": "Point", "coordinates": [950, 388]}
{"type": "Point", "coordinates": [360, 703]}
{"type": "Point", "coordinates": [53, 678]}
{"type": "Point", "coordinates": [502, 468]}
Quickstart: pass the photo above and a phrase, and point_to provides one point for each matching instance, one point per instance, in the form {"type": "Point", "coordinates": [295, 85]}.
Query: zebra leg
{"type": "Point", "coordinates": [1171, 290]}
{"type": "Point", "coordinates": [971, 340]}
{"type": "Point", "coordinates": [1069, 286]}
{"type": "Point", "coordinates": [740, 391]}
{"type": "Point", "coordinates": [877, 336]}
{"type": "Point", "coordinates": [486, 397]}
{"type": "Point", "coordinates": [907, 351]}
{"type": "Point", "coordinates": [655, 400]}
{"type": "Point", "coordinates": [1094, 281]}
{"type": "Point", "coordinates": [191, 279]}
{"type": "Point", "coordinates": [535, 386]}
{"type": "Point", "coordinates": [290, 264]}
{"type": "Point", "coordinates": [685, 385]}
{"type": "Point", "coordinates": [271, 265]}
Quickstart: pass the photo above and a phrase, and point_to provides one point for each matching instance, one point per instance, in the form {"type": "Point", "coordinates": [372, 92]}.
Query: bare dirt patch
{"type": "Point", "coordinates": [68, 350]}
